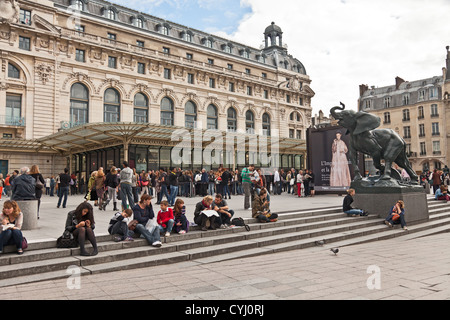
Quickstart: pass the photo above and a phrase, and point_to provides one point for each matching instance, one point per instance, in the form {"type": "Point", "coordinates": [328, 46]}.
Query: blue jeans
{"type": "Point", "coordinates": [64, 191]}
{"type": "Point", "coordinates": [163, 192]}
{"type": "Point", "coordinates": [211, 188]}
{"type": "Point", "coordinates": [15, 236]}
{"type": "Point", "coordinates": [354, 211]}
{"type": "Point", "coordinates": [226, 190]}
{"type": "Point", "coordinates": [173, 195]}
{"type": "Point", "coordinates": [126, 192]}
{"type": "Point", "coordinates": [168, 228]}
{"type": "Point", "coordinates": [401, 220]}
{"type": "Point", "coordinates": [151, 237]}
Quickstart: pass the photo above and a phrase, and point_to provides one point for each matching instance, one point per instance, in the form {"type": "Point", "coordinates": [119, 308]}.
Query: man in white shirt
{"type": "Point", "coordinates": [277, 180]}
{"type": "Point", "coordinates": [125, 177]}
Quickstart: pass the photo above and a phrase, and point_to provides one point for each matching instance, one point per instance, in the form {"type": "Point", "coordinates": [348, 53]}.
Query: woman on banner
{"type": "Point", "coordinates": [340, 173]}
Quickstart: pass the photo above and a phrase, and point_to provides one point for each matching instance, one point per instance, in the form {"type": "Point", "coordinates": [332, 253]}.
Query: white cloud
{"type": "Point", "coordinates": [347, 43]}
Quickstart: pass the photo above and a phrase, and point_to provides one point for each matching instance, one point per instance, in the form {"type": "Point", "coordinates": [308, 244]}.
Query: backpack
{"type": "Point", "coordinates": [239, 222]}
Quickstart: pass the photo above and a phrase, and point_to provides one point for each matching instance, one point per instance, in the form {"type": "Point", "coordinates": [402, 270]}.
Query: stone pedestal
{"type": "Point", "coordinates": [379, 196]}
{"type": "Point", "coordinates": [29, 209]}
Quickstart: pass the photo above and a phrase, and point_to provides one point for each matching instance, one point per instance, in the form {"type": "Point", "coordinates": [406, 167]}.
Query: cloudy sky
{"type": "Point", "coordinates": [342, 43]}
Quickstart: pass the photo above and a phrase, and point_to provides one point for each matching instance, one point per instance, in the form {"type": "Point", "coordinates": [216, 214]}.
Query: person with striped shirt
{"type": "Point", "coordinates": [246, 175]}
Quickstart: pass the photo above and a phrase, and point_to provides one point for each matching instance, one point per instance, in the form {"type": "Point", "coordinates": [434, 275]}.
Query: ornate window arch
{"type": "Point", "coordinates": [190, 114]}
{"type": "Point", "coordinates": [140, 108]}
{"type": "Point", "coordinates": [111, 105]}
{"type": "Point", "coordinates": [266, 124]}
{"type": "Point", "coordinates": [167, 111]}
{"type": "Point", "coordinates": [212, 117]}
{"type": "Point", "coordinates": [79, 104]}
{"type": "Point", "coordinates": [13, 71]}
{"type": "Point", "coordinates": [231, 120]}
{"type": "Point", "coordinates": [250, 122]}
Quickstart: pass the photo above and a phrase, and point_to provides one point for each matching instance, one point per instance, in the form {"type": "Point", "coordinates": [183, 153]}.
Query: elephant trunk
{"type": "Point", "coordinates": [336, 115]}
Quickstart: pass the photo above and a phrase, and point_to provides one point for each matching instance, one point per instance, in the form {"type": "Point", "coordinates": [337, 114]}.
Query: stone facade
{"type": "Point", "coordinates": [52, 45]}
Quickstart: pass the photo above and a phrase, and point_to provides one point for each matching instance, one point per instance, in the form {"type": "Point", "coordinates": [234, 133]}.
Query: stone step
{"type": "Point", "coordinates": [290, 232]}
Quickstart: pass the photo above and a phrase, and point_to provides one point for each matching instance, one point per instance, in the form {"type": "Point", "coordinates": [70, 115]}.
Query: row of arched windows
{"type": "Point", "coordinates": [79, 107]}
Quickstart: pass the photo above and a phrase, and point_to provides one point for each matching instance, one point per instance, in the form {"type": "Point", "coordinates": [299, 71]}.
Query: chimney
{"type": "Point", "coordinates": [447, 64]}
{"type": "Point", "coordinates": [363, 88]}
{"type": "Point", "coordinates": [398, 82]}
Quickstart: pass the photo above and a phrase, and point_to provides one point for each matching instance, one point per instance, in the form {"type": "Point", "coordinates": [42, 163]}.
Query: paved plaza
{"type": "Point", "coordinates": [401, 268]}
{"type": "Point", "coordinates": [398, 269]}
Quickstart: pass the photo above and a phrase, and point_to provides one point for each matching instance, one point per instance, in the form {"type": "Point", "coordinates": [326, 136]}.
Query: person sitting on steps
{"type": "Point", "coordinates": [260, 208]}
{"type": "Point", "coordinates": [348, 209]}
{"type": "Point", "coordinates": [200, 218]}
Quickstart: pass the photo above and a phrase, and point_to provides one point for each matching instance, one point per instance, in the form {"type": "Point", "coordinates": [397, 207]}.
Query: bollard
{"type": "Point", "coordinates": [29, 209]}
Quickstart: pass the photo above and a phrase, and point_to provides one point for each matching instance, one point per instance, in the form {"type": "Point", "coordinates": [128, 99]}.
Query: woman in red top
{"type": "Point", "coordinates": [165, 218]}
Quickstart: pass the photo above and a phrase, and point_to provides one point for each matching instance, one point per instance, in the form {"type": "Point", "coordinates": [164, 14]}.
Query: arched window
{"type": "Point", "coordinates": [266, 124]}
{"type": "Point", "coordinates": [140, 108]}
{"type": "Point", "coordinates": [79, 5]}
{"type": "Point", "coordinates": [13, 71]}
{"type": "Point", "coordinates": [139, 23]}
{"type": "Point", "coordinates": [167, 110]}
{"type": "Point", "coordinates": [231, 120]}
{"type": "Point", "coordinates": [110, 14]}
{"type": "Point", "coordinates": [79, 104]}
{"type": "Point", "coordinates": [190, 117]}
{"type": "Point", "coordinates": [249, 122]}
{"type": "Point", "coordinates": [295, 116]}
{"type": "Point", "coordinates": [111, 106]}
{"type": "Point", "coordinates": [211, 121]}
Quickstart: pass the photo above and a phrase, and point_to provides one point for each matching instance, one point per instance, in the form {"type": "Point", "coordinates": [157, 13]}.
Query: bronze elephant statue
{"type": "Point", "coordinates": [380, 144]}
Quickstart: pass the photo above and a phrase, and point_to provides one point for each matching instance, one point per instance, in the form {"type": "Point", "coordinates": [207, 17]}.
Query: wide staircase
{"type": "Point", "coordinates": [326, 228]}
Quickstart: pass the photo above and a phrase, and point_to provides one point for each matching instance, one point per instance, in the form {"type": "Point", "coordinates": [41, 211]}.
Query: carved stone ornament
{"type": "Point", "coordinates": [9, 11]}
{"type": "Point", "coordinates": [44, 72]}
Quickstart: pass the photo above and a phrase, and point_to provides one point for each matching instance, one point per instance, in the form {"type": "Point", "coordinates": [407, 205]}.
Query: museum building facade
{"type": "Point", "coordinates": [88, 84]}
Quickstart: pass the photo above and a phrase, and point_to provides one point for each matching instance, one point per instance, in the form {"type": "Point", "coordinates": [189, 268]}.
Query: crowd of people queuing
{"type": "Point", "coordinates": [135, 190]}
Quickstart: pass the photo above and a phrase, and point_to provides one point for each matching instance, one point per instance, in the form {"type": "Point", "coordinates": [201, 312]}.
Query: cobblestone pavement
{"type": "Point", "coordinates": [399, 269]}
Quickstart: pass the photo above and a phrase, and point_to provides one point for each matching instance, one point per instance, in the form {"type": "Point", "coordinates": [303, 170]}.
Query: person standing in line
{"type": "Point", "coordinates": [277, 182]}
{"type": "Point", "coordinates": [64, 183]}
{"type": "Point", "coordinates": [111, 183]}
{"type": "Point", "coordinates": [126, 175]}
{"type": "Point", "coordinates": [52, 185]}
{"type": "Point", "coordinates": [47, 186]}
{"type": "Point", "coordinates": [164, 181]}
{"type": "Point", "coordinates": [299, 183]}
{"type": "Point", "coordinates": [173, 183]}
{"type": "Point", "coordinates": [100, 187]}
{"type": "Point", "coordinates": [246, 175]}
{"type": "Point", "coordinates": [40, 183]}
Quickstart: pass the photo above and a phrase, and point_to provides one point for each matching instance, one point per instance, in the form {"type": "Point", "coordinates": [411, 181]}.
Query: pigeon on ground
{"type": "Point", "coordinates": [334, 250]}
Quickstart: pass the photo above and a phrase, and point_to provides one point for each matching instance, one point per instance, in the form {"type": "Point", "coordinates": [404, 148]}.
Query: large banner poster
{"type": "Point", "coordinates": [328, 158]}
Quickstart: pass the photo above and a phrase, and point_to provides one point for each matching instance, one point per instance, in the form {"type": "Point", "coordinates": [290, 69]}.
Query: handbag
{"type": "Point", "coordinates": [395, 216]}
{"type": "Point", "coordinates": [67, 240]}
{"type": "Point", "coordinates": [39, 184]}
{"type": "Point", "coordinates": [24, 243]}
{"type": "Point", "coordinates": [239, 222]}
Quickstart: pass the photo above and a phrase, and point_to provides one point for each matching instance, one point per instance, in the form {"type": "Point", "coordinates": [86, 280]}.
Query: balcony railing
{"type": "Point", "coordinates": [12, 121]}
